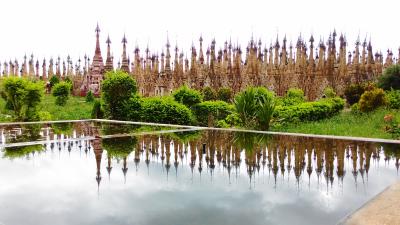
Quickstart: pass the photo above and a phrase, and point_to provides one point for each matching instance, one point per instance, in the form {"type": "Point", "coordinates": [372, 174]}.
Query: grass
{"type": "Point", "coordinates": [346, 124]}
{"type": "Point", "coordinates": [76, 108]}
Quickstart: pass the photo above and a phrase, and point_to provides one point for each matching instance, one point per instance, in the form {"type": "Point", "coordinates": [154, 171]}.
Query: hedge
{"type": "Point", "coordinates": [218, 109]}
{"type": "Point", "coordinates": [165, 110]}
{"type": "Point", "coordinates": [310, 111]}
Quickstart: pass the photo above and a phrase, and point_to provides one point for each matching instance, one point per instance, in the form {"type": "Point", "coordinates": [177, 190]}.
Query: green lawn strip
{"type": "Point", "coordinates": [345, 124]}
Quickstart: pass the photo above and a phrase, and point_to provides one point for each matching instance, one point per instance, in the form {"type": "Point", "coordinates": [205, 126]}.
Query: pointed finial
{"type": "Point", "coordinates": [108, 41]}
{"type": "Point", "coordinates": [97, 28]}
{"type": "Point", "coordinates": [124, 41]}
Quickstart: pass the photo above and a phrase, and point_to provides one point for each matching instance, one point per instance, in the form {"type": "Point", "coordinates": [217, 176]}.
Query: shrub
{"type": "Point", "coordinates": [165, 110]}
{"type": "Point", "coordinates": [372, 99]}
{"type": "Point", "coordinates": [134, 107]}
{"type": "Point", "coordinates": [44, 116]}
{"type": "Point", "coordinates": [255, 107]}
{"type": "Point", "coordinates": [393, 98]}
{"type": "Point", "coordinates": [293, 96]}
{"type": "Point", "coordinates": [97, 110]}
{"type": "Point", "coordinates": [233, 120]}
{"type": "Point", "coordinates": [89, 97]}
{"type": "Point", "coordinates": [225, 94]}
{"type": "Point", "coordinates": [116, 90]}
{"type": "Point", "coordinates": [392, 126]}
{"type": "Point", "coordinates": [218, 110]}
{"type": "Point", "coordinates": [329, 92]}
{"type": "Point", "coordinates": [22, 97]}
{"type": "Point", "coordinates": [310, 111]}
{"type": "Point", "coordinates": [187, 96]}
{"type": "Point", "coordinates": [390, 78]}
{"type": "Point", "coordinates": [54, 80]}
{"type": "Point", "coordinates": [61, 92]}
{"type": "Point", "coordinates": [353, 93]}
{"type": "Point", "coordinates": [209, 94]}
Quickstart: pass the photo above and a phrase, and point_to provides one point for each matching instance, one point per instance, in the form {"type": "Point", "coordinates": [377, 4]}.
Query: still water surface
{"type": "Point", "coordinates": [95, 173]}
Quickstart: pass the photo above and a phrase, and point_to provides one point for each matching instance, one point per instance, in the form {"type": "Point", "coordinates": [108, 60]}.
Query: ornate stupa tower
{"type": "Point", "coordinates": [92, 81]}
{"type": "Point", "coordinates": [125, 61]}
{"type": "Point", "coordinates": [109, 61]}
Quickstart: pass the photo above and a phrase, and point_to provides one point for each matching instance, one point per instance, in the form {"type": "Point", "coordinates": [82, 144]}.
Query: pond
{"type": "Point", "coordinates": [92, 172]}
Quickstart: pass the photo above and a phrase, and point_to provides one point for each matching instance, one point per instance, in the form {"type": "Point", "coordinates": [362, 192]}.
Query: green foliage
{"type": "Point", "coordinates": [187, 96]}
{"type": "Point", "coordinates": [209, 94]}
{"type": "Point", "coordinates": [117, 89]}
{"type": "Point", "coordinates": [393, 98]}
{"type": "Point", "coordinates": [54, 80]}
{"type": "Point", "coordinates": [372, 99]}
{"type": "Point", "coordinates": [255, 107]}
{"type": "Point", "coordinates": [225, 94]}
{"type": "Point", "coordinates": [89, 97]}
{"type": "Point", "coordinates": [329, 92]}
{"type": "Point", "coordinates": [215, 110]}
{"type": "Point", "coordinates": [390, 78]}
{"type": "Point", "coordinates": [134, 108]}
{"type": "Point", "coordinates": [61, 92]}
{"type": "Point", "coordinates": [44, 116]}
{"type": "Point", "coordinates": [233, 120]}
{"type": "Point", "coordinates": [97, 110]}
{"type": "Point", "coordinates": [353, 93]}
{"type": "Point", "coordinates": [165, 110]}
{"type": "Point", "coordinates": [22, 97]}
{"type": "Point", "coordinates": [293, 96]}
{"type": "Point", "coordinates": [310, 111]}
{"type": "Point", "coordinates": [392, 125]}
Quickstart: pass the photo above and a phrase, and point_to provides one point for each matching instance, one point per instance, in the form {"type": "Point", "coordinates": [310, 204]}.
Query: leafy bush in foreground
{"type": "Point", "coordinates": [116, 90]}
{"type": "Point", "coordinates": [310, 111]}
{"type": "Point", "coordinates": [293, 96]}
{"type": "Point", "coordinates": [187, 96]}
{"type": "Point", "coordinates": [353, 93]}
{"type": "Point", "coordinates": [218, 110]}
{"type": "Point", "coordinates": [22, 97]}
{"type": "Point", "coordinates": [372, 99]}
{"type": "Point", "coordinates": [165, 110]}
{"type": "Point", "coordinates": [390, 78]}
{"type": "Point", "coordinates": [255, 107]}
{"type": "Point", "coordinates": [393, 98]}
{"type": "Point", "coordinates": [61, 92]}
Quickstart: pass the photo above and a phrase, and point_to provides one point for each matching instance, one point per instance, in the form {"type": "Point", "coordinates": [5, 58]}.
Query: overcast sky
{"type": "Point", "coordinates": [61, 27]}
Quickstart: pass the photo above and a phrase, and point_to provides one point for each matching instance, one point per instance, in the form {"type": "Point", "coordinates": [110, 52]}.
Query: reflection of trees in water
{"type": "Point", "coordinates": [22, 151]}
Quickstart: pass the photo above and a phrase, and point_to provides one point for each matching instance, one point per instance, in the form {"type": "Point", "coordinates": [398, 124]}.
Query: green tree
{"type": "Point", "coordinates": [117, 89]}
{"type": "Point", "coordinates": [22, 97]}
{"type": "Point", "coordinates": [225, 94]}
{"type": "Point", "coordinates": [353, 93]}
{"type": "Point", "coordinates": [54, 80]}
{"type": "Point", "coordinates": [187, 96]}
{"type": "Point", "coordinates": [390, 78]}
{"type": "Point", "coordinates": [89, 97]}
{"type": "Point", "coordinates": [61, 92]}
{"type": "Point", "coordinates": [209, 94]}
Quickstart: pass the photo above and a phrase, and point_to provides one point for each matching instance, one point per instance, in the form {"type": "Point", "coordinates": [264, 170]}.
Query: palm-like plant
{"type": "Point", "coordinates": [255, 107]}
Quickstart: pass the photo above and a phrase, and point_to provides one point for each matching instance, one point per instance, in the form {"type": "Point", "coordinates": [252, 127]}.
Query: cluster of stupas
{"type": "Point", "coordinates": [311, 67]}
